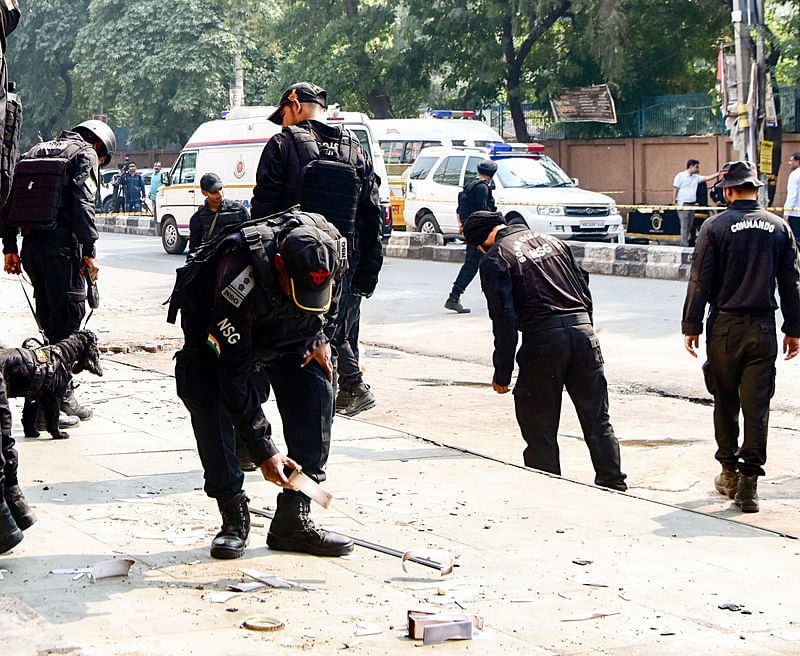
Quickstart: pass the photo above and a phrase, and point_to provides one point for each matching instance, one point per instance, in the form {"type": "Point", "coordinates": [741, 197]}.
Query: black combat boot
{"type": "Point", "coordinates": [232, 539]}
{"type": "Point", "coordinates": [746, 494]}
{"type": "Point", "coordinates": [10, 535]}
{"type": "Point", "coordinates": [71, 407]}
{"type": "Point", "coordinates": [20, 510]}
{"type": "Point", "coordinates": [453, 303]}
{"type": "Point", "coordinates": [292, 530]}
{"type": "Point", "coordinates": [64, 421]}
{"type": "Point", "coordinates": [727, 481]}
{"type": "Point", "coordinates": [352, 400]}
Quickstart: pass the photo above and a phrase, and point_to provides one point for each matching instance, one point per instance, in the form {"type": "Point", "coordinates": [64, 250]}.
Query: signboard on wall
{"type": "Point", "coordinates": [584, 104]}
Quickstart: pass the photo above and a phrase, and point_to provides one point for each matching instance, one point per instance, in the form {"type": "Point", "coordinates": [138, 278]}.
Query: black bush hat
{"type": "Point", "coordinates": [303, 92]}
{"type": "Point", "coordinates": [737, 174]}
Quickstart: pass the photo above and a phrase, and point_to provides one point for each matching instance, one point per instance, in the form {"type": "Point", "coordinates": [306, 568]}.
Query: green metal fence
{"type": "Point", "coordinates": [659, 116]}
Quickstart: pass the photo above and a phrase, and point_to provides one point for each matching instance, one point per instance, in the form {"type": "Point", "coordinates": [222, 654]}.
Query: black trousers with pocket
{"type": "Point", "coordinates": [740, 374]}
{"type": "Point", "coordinates": [53, 261]}
{"type": "Point", "coordinates": [563, 351]}
{"type": "Point", "coordinates": [8, 454]}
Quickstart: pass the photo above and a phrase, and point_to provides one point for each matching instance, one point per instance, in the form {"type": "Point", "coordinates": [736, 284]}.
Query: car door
{"type": "Point", "coordinates": [181, 195]}
{"type": "Point", "coordinates": [445, 185]}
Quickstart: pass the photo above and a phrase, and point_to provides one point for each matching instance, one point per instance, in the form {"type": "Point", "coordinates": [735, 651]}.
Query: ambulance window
{"type": "Point", "coordinates": [392, 151]}
{"type": "Point", "coordinates": [188, 168]}
{"type": "Point", "coordinates": [413, 148]}
{"type": "Point", "coordinates": [422, 167]}
{"type": "Point", "coordinates": [449, 171]}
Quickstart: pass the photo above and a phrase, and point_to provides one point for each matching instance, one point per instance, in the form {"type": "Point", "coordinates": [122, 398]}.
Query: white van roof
{"type": "Point", "coordinates": [252, 131]}
{"type": "Point", "coordinates": [389, 129]}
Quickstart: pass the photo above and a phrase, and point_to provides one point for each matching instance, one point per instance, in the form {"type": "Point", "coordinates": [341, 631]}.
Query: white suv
{"type": "Point", "coordinates": [528, 184]}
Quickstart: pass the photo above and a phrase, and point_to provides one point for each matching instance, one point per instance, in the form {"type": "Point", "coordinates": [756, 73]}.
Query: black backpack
{"type": "Point", "coordinates": [39, 181]}
{"type": "Point", "coordinates": [464, 208]}
{"type": "Point", "coordinates": [194, 282]}
{"type": "Point", "coordinates": [329, 181]}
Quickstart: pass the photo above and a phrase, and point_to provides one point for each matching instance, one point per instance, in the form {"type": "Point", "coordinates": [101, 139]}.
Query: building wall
{"type": "Point", "coordinates": [640, 171]}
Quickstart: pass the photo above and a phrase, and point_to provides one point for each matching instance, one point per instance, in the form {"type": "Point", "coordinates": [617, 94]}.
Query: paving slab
{"type": "Point", "coordinates": [554, 566]}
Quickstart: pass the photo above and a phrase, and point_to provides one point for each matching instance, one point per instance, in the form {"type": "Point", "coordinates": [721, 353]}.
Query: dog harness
{"type": "Point", "coordinates": [41, 369]}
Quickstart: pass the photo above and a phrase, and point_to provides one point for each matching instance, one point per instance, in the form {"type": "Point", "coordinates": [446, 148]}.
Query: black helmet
{"type": "Point", "coordinates": [98, 131]}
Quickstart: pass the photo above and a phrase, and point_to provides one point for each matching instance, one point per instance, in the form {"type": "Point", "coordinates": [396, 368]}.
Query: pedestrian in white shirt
{"type": "Point", "coordinates": [685, 193]}
{"type": "Point", "coordinates": [792, 213]}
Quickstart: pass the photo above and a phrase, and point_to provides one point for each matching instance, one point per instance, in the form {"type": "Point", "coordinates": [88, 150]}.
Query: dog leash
{"type": "Point", "coordinates": [30, 305]}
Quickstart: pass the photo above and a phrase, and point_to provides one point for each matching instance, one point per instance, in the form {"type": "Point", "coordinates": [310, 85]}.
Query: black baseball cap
{"type": "Point", "coordinates": [303, 92]}
{"type": "Point", "coordinates": [310, 257]}
{"type": "Point", "coordinates": [737, 174]}
{"type": "Point", "coordinates": [211, 183]}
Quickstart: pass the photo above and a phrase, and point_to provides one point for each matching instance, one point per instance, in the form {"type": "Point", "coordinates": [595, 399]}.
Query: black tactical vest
{"type": "Point", "coordinates": [329, 182]}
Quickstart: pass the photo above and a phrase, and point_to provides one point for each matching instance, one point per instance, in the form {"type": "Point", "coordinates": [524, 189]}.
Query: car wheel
{"type": "Point", "coordinates": [427, 225]}
{"type": "Point", "coordinates": [170, 238]}
{"type": "Point", "coordinates": [108, 204]}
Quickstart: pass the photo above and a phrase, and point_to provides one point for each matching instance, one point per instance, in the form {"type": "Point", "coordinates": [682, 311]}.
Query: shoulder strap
{"type": "Point", "coordinates": [307, 146]}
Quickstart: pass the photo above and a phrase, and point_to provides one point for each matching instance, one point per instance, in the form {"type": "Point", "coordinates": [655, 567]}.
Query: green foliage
{"type": "Point", "coordinates": [40, 61]}
{"type": "Point", "coordinates": [354, 50]}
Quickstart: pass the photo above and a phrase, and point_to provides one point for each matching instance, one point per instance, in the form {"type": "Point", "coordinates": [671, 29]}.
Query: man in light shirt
{"type": "Point", "coordinates": [792, 216]}
{"type": "Point", "coordinates": [685, 193]}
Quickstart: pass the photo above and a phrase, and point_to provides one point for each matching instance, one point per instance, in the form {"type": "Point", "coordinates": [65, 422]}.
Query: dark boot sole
{"type": "Point", "coordinates": [226, 554]}
{"type": "Point", "coordinates": [277, 543]}
{"type": "Point", "coordinates": [10, 541]}
{"type": "Point", "coordinates": [352, 411]}
{"type": "Point", "coordinates": [747, 507]}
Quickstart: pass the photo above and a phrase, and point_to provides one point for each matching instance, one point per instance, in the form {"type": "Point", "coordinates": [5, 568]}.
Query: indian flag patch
{"type": "Point", "coordinates": [213, 343]}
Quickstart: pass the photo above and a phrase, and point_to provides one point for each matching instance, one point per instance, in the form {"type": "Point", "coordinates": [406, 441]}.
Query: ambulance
{"type": "Point", "coordinates": [402, 139]}
{"type": "Point", "coordinates": [231, 147]}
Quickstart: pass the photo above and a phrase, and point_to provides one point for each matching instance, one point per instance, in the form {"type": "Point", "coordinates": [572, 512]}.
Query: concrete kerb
{"type": "Point", "coordinates": [662, 262]}
{"type": "Point", "coordinates": [130, 224]}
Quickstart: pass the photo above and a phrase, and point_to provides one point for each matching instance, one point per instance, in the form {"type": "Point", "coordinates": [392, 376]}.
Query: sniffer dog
{"type": "Point", "coordinates": [41, 374]}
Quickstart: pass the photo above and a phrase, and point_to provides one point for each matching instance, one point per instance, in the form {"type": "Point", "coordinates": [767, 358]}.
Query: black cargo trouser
{"type": "Point", "coordinates": [53, 261]}
{"type": "Point", "coordinates": [8, 454]}
{"type": "Point", "coordinates": [740, 374]}
{"type": "Point", "coordinates": [564, 351]}
{"type": "Point", "coordinates": [345, 340]}
{"type": "Point", "coordinates": [305, 402]}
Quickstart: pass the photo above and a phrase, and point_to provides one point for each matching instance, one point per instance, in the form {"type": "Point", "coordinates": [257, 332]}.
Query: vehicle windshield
{"type": "Point", "coordinates": [520, 172]}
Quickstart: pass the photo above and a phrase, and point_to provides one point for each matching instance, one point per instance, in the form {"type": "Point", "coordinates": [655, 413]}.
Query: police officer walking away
{"type": "Point", "coordinates": [532, 284]}
{"type": "Point", "coordinates": [215, 213]}
{"type": "Point", "coordinates": [476, 196]}
{"type": "Point", "coordinates": [740, 253]}
{"type": "Point", "coordinates": [53, 204]}
{"type": "Point", "coordinates": [324, 169]}
{"type": "Point", "coordinates": [265, 297]}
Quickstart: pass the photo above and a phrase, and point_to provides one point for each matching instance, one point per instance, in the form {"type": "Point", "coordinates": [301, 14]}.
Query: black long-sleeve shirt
{"type": "Point", "coordinates": [527, 276]}
{"type": "Point", "coordinates": [278, 185]}
{"type": "Point", "coordinates": [77, 211]}
{"type": "Point", "coordinates": [739, 256]}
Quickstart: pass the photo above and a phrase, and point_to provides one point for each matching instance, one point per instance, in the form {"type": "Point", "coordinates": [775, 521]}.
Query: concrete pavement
{"type": "Point", "coordinates": [126, 485]}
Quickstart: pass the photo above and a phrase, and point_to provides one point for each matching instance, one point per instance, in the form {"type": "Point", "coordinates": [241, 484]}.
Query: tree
{"type": "Point", "coordinates": [163, 68]}
{"type": "Point", "coordinates": [355, 50]}
{"type": "Point", "coordinates": [40, 61]}
{"type": "Point", "coordinates": [526, 50]}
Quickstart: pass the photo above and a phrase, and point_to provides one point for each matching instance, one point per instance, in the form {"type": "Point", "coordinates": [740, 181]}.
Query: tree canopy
{"type": "Point", "coordinates": [160, 68]}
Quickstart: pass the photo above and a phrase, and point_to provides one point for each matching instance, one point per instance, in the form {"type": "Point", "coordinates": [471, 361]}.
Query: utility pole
{"type": "Point", "coordinates": [743, 68]}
